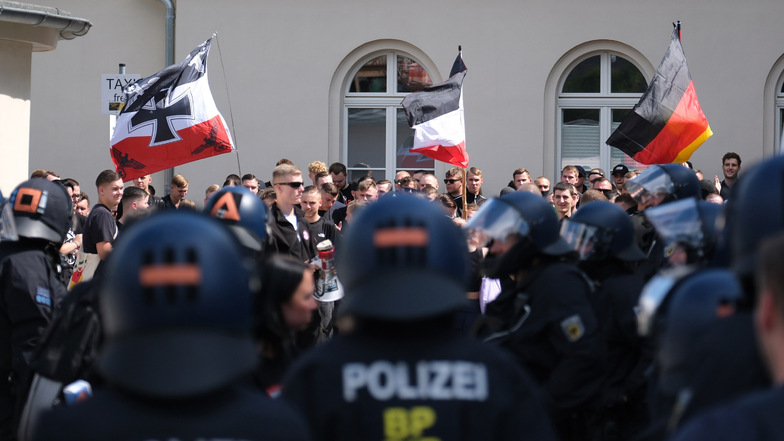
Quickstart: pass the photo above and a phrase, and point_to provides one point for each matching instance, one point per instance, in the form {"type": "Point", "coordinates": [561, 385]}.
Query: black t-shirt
{"type": "Point", "coordinates": [100, 227]}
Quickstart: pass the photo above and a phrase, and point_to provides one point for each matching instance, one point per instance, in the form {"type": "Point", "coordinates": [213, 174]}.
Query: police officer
{"type": "Point", "coordinates": [39, 214]}
{"type": "Point", "coordinates": [602, 234]}
{"type": "Point", "coordinates": [756, 416]}
{"type": "Point", "coordinates": [177, 302]}
{"type": "Point", "coordinates": [659, 185]}
{"type": "Point", "coordinates": [543, 315]}
{"type": "Point", "coordinates": [403, 373]}
{"type": "Point", "coordinates": [688, 230]}
{"type": "Point", "coordinates": [244, 213]}
{"type": "Point", "coordinates": [698, 301]}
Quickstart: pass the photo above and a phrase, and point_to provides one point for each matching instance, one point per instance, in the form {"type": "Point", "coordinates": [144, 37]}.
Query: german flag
{"type": "Point", "coordinates": [667, 124]}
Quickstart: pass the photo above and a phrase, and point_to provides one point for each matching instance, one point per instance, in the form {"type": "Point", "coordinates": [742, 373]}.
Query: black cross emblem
{"type": "Point", "coordinates": [161, 117]}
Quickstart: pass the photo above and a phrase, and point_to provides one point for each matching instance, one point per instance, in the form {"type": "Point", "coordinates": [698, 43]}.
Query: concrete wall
{"type": "Point", "coordinates": [281, 58]}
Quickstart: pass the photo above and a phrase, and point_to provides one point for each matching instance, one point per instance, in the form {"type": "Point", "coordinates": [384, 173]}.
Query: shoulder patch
{"type": "Point", "coordinates": [43, 296]}
{"type": "Point", "coordinates": [573, 328]}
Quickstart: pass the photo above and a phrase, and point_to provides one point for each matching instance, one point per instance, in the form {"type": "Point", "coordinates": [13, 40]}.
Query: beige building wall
{"type": "Point", "coordinates": [14, 113]}
{"type": "Point", "coordinates": [280, 65]}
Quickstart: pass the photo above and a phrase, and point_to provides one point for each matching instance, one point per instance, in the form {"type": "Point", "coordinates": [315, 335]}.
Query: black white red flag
{"type": "Point", "coordinates": [436, 115]}
{"type": "Point", "coordinates": [169, 119]}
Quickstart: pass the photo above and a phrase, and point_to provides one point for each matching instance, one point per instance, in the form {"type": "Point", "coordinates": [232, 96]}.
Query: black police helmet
{"type": "Point", "coordinates": [41, 210]}
{"type": "Point", "coordinates": [689, 223]}
{"type": "Point", "coordinates": [243, 212]}
{"type": "Point", "coordinates": [402, 259]}
{"type": "Point", "coordinates": [528, 216]}
{"type": "Point", "coordinates": [697, 301]}
{"type": "Point", "coordinates": [600, 230]}
{"type": "Point", "coordinates": [670, 182]}
{"type": "Point", "coordinates": [177, 304]}
{"type": "Point", "coordinates": [755, 212]}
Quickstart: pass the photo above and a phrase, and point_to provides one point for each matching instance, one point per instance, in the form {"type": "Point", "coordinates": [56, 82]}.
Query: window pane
{"type": "Point", "coordinates": [411, 76]}
{"type": "Point", "coordinates": [366, 138]}
{"type": "Point", "coordinates": [616, 155]}
{"type": "Point", "coordinates": [584, 78]}
{"type": "Point", "coordinates": [626, 78]}
{"type": "Point", "coordinates": [580, 137]}
{"type": "Point", "coordinates": [372, 77]}
{"type": "Point", "coordinates": [405, 139]}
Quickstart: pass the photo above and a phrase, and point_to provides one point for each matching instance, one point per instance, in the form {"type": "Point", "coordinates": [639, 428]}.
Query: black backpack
{"type": "Point", "coordinates": [66, 352]}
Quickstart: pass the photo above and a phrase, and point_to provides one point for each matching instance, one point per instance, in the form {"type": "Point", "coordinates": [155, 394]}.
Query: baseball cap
{"type": "Point", "coordinates": [620, 168]}
{"type": "Point", "coordinates": [580, 171]}
{"type": "Point", "coordinates": [596, 171]}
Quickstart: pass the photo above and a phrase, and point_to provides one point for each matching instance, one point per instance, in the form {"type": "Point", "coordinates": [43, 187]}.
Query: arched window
{"type": "Point", "coordinates": [376, 136]}
{"type": "Point", "coordinates": [780, 116]}
{"type": "Point", "coordinates": [773, 117]}
{"type": "Point", "coordinates": [595, 93]}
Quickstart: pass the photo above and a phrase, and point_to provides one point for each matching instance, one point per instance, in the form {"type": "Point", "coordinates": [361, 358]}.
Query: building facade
{"type": "Point", "coordinates": [310, 80]}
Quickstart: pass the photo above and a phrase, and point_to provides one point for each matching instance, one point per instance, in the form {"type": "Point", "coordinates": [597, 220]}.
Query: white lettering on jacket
{"type": "Point", "coordinates": [430, 380]}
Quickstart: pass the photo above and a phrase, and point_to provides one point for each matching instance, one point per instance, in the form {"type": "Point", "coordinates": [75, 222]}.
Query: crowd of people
{"type": "Point", "coordinates": [599, 307]}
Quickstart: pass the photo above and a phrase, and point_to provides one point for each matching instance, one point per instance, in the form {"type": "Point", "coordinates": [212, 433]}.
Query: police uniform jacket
{"type": "Point", "coordinates": [558, 341]}
{"type": "Point", "coordinates": [30, 286]}
{"type": "Point", "coordinates": [396, 383]}
{"type": "Point", "coordinates": [284, 239]}
{"type": "Point", "coordinates": [629, 355]}
{"type": "Point", "coordinates": [754, 418]}
{"type": "Point", "coordinates": [230, 414]}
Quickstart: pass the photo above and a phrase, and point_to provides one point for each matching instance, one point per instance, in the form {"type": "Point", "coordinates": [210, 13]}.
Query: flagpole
{"type": "Point", "coordinates": [677, 25]}
{"type": "Point", "coordinates": [228, 98]}
{"type": "Point", "coordinates": [465, 195]}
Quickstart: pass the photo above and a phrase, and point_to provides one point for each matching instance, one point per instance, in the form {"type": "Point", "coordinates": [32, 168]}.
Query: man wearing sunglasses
{"type": "Point", "coordinates": [289, 232]}
{"type": "Point", "coordinates": [454, 187]}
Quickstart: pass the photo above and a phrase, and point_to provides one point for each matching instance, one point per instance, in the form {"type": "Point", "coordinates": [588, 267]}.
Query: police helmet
{"type": "Point", "coordinates": [601, 230]}
{"type": "Point", "coordinates": [177, 305]}
{"type": "Point", "coordinates": [664, 183]}
{"type": "Point", "coordinates": [697, 301]}
{"type": "Point", "coordinates": [402, 259]}
{"type": "Point", "coordinates": [41, 210]}
{"type": "Point", "coordinates": [528, 216]}
{"type": "Point", "coordinates": [689, 223]}
{"type": "Point", "coordinates": [243, 212]}
{"type": "Point", "coordinates": [755, 212]}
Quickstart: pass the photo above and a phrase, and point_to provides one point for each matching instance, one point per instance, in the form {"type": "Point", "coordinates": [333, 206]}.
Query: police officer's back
{"type": "Point", "coordinates": [603, 236]}
{"type": "Point", "coordinates": [39, 214]}
{"type": "Point", "coordinates": [544, 315]}
{"type": "Point", "coordinates": [404, 373]}
{"type": "Point", "coordinates": [176, 305]}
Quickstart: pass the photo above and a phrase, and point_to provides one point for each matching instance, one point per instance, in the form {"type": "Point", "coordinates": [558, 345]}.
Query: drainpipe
{"type": "Point", "coordinates": [168, 174]}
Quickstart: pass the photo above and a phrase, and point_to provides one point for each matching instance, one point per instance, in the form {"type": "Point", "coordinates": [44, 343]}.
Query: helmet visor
{"type": "Point", "coordinates": [588, 241]}
{"type": "Point", "coordinates": [495, 220]}
{"type": "Point", "coordinates": [651, 187]}
{"type": "Point", "coordinates": [677, 222]}
{"type": "Point", "coordinates": [653, 295]}
{"type": "Point", "coordinates": [7, 224]}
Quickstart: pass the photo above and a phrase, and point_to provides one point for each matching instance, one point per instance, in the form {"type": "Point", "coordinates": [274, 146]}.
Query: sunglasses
{"type": "Point", "coordinates": [294, 185]}
{"type": "Point", "coordinates": [452, 181]}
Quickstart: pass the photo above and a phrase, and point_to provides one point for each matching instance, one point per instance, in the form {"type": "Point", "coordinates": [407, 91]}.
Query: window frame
{"type": "Point", "coordinates": [605, 101]}
{"type": "Point", "coordinates": [341, 99]}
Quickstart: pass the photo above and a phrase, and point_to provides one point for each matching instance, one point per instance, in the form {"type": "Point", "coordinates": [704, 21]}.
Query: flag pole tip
{"type": "Point", "coordinates": [459, 48]}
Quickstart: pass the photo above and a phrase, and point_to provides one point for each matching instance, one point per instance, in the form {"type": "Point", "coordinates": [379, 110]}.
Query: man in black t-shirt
{"type": "Point", "coordinates": [100, 230]}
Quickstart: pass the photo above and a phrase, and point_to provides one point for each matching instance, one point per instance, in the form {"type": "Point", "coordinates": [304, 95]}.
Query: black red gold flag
{"type": "Point", "coordinates": [667, 124]}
